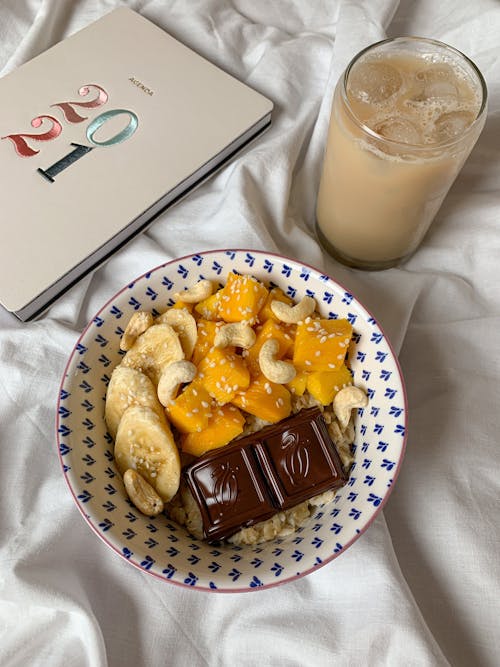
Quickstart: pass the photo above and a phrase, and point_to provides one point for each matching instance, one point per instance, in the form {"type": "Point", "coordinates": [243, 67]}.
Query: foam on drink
{"type": "Point", "coordinates": [412, 98]}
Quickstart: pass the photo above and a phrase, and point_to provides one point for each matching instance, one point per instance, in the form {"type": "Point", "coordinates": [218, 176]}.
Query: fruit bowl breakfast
{"type": "Point", "coordinates": [231, 420]}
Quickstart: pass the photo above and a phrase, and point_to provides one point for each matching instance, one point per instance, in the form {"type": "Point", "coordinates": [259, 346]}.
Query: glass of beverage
{"type": "Point", "coordinates": [405, 115]}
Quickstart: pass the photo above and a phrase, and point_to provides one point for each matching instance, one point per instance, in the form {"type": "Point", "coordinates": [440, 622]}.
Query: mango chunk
{"type": "Point", "coordinates": [225, 424]}
{"type": "Point", "coordinates": [276, 294]}
{"type": "Point", "coordinates": [298, 385]}
{"type": "Point", "coordinates": [265, 400]}
{"type": "Point", "coordinates": [324, 385]}
{"type": "Point", "coordinates": [182, 304]}
{"type": "Point", "coordinates": [208, 309]}
{"type": "Point", "coordinates": [191, 410]}
{"type": "Point", "coordinates": [321, 344]}
{"type": "Point", "coordinates": [284, 334]}
{"type": "Point", "coordinates": [205, 339]}
{"type": "Point", "coordinates": [222, 372]}
{"type": "Point", "coordinates": [241, 298]}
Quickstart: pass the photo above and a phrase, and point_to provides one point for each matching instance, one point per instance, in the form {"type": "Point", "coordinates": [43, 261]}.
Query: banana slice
{"type": "Point", "coordinates": [154, 350]}
{"type": "Point", "coordinates": [145, 443]}
{"type": "Point", "coordinates": [127, 387]}
{"type": "Point", "coordinates": [138, 323]}
{"type": "Point", "coordinates": [184, 324]}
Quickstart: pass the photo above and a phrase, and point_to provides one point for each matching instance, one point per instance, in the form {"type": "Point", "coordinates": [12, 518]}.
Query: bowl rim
{"type": "Point", "coordinates": [315, 567]}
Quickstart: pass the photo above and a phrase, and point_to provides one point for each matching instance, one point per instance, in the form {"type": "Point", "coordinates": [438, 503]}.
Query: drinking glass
{"type": "Point", "coordinates": [406, 113]}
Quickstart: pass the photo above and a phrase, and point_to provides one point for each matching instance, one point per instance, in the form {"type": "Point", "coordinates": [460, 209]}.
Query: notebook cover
{"type": "Point", "coordinates": [99, 134]}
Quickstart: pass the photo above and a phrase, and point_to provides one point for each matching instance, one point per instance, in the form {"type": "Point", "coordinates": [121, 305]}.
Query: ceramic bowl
{"type": "Point", "coordinates": [165, 550]}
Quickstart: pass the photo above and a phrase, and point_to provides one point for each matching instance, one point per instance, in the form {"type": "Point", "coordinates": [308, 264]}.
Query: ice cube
{"type": "Point", "coordinates": [374, 82]}
{"type": "Point", "coordinates": [436, 83]}
{"type": "Point", "coordinates": [451, 125]}
{"type": "Point", "coordinates": [399, 129]}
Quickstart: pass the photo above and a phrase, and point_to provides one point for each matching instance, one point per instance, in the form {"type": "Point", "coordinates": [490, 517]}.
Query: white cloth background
{"type": "Point", "coordinates": [421, 587]}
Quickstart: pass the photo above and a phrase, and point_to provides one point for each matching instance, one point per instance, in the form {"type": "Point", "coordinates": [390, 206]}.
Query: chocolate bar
{"type": "Point", "coordinates": [258, 475]}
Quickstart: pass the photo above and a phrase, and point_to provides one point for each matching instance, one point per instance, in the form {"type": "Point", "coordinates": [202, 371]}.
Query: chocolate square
{"type": "Point", "coordinates": [230, 491]}
{"type": "Point", "coordinates": [300, 461]}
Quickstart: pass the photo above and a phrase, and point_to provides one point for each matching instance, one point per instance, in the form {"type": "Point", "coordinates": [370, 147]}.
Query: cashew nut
{"type": "Point", "coordinates": [142, 494]}
{"type": "Point", "coordinates": [275, 370]}
{"type": "Point", "coordinates": [345, 401]}
{"type": "Point", "coordinates": [294, 314]}
{"type": "Point", "coordinates": [172, 377]}
{"type": "Point", "coordinates": [238, 334]}
{"type": "Point", "coordinates": [184, 324]}
{"type": "Point", "coordinates": [198, 292]}
{"type": "Point", "coordinates": [138, 323]}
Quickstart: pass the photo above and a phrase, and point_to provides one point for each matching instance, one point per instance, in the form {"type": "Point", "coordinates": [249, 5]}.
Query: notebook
{"type": "Point", "coordinates": [99, 134]}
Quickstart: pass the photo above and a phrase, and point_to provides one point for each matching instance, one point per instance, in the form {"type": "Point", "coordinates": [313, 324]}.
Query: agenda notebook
{"type": "Point", "coordinates": [98, 135]}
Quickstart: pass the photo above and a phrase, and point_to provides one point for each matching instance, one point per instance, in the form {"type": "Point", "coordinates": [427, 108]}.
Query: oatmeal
{"type": "Point", "coordinates": [216, 367]}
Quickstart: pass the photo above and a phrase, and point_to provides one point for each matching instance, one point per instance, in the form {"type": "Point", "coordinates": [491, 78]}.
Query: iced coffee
{"type": "Point", "coordinates": [405, 116]}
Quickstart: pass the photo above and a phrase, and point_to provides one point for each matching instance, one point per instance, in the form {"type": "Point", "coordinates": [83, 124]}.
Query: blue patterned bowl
{"type": "Point", "coordinates": [159, 546]}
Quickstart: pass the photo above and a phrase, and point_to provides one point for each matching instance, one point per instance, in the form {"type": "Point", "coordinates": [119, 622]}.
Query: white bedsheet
{"type": "Point", "coordinates": [421, 587]}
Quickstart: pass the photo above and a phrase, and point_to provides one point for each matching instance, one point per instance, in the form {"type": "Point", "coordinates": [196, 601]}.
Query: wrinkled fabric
{"type": "Point", "coordinates": [421, 586]}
